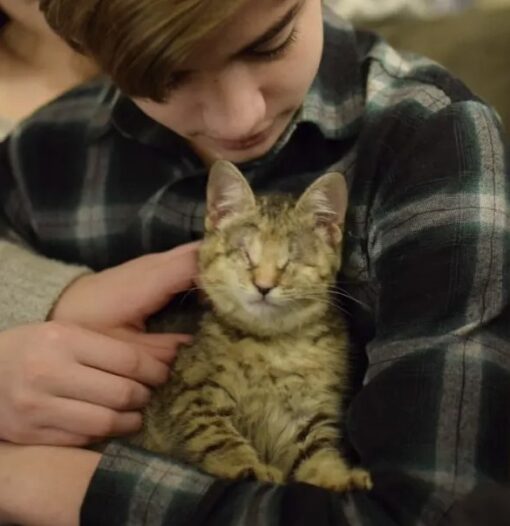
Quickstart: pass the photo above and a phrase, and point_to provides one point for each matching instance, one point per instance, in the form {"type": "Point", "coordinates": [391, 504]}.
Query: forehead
{"type": "Point", "coordinates": [250, 21]}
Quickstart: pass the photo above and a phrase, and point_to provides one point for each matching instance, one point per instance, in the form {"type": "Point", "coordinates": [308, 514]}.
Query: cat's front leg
{"type": "Point", "coordinates": [320, 463]}
{"type": "Point", "coordinates": [218, 448]}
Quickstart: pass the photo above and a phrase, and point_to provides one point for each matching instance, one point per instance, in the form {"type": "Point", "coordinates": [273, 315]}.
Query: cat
{"type": "Point", "coordinates": [259, 391]}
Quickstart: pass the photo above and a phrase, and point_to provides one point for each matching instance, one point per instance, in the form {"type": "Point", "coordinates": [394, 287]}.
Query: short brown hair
{"type": "Point", "coordinates": [139, 43]}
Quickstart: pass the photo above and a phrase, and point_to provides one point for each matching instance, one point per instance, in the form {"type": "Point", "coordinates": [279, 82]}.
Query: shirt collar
{"type": "Point", "coordinates": [336, 99]}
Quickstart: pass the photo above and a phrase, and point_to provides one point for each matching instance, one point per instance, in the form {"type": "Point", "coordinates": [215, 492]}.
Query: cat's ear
{"type": "Point", "coordinates": [228, 194]}
{"type": "Point", "coordinates": [326, 200]}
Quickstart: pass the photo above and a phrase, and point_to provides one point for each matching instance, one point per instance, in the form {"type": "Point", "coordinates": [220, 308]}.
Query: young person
{"type": "Point", "coordinates": [35, 65]}
{"type": "Point", "coordinates": [111, 177]}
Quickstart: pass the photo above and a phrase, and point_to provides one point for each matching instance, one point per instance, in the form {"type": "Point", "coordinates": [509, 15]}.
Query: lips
{"type": "Point", "coordinates": [244, 144]}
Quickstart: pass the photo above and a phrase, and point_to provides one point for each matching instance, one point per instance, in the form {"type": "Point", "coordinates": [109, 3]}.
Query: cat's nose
{"type": "Point", "coordinates": [264, 291]}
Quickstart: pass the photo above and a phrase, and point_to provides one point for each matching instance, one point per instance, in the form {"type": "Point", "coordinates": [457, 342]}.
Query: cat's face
{"type": "Point", "coordinates": [268, 264]}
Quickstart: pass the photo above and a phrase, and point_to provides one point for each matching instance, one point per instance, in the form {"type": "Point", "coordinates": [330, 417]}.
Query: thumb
{"type": "Point", "coordinates": [172, 272]}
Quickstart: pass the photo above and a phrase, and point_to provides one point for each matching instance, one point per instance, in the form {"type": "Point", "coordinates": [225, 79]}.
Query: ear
{"type": "Point", "coordinates": [228, 194]}
{"type": "Point", "coordinates": [326, 200]}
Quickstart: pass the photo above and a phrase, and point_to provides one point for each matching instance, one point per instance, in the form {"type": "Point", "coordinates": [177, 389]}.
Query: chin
{"type": "Point", "coordinates": [252, 153]}
{"type": "Point", "coordinates": [243, 156]}
{"type": "Point", "coordinates": [262, 310]}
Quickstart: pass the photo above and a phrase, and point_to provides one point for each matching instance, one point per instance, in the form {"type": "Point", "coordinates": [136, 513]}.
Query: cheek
{"type": "Point", "coordinates": [227, 273]}
{"type": "Point", "coordinates": [295, 73]}
{"type": "Point", "coordinates": [284, 83]}
{"type": "Point", "coordinates": [299, 277]}
{"type": "Point", "coordinates": [172, 115]}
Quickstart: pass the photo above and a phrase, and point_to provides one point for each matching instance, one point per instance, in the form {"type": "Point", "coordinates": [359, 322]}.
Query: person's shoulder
{"type": "Point", "coordinates": [368, 82]}
{"type": "Point", "coordinates": [76, 111]}
{"type": "Point", "coordinates": [395, 79]}
{"type": "Point", "coordinates": [62, 131]}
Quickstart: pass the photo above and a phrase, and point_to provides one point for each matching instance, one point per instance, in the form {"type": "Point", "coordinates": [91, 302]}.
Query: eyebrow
{"type": "Point", "coordinates": [275, 29]}
{"type": "Point", "coordinates": [269, 34]}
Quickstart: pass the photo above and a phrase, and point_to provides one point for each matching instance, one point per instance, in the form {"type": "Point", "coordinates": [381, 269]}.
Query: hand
{"type": "Point", "coordinates": [120, 299]}
{"type": "Point", "coordinates": [84, 375]}
{"type": "Point", "coordinates": [65, 385]}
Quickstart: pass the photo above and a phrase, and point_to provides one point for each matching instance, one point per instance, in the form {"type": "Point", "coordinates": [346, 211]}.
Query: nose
{"type": "Point", "coordinates": [264, 291]}
{"type": "Point", "coordinates": [233, 106]}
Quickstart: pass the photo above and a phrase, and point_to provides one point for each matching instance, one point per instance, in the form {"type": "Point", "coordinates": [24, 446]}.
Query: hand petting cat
{"type": "Point", "coordinates": [87, 372]}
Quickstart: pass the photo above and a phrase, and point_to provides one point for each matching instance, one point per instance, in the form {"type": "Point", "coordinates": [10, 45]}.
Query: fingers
{"type": "Point", "coordinates": [100, 388]}
{"type": "Point", "coordinates": [128, 360]}
{"type": "Point", "coordinates": [82, 418]}
{"type": "Point", "coordinates": [163, 347]}
{"type": "Point", "coordinates": [55, 437]}
{"type": "Point", "coordinates": [164, 340]}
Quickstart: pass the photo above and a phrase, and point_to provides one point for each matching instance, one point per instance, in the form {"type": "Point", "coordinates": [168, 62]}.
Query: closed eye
{"type": "Point", "coordinates": [247, 258]}
{"type": "Point", "coordinates": [275, 52]}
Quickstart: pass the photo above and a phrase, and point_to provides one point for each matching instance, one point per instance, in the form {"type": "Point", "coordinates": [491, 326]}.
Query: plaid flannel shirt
{"type": "Point", "coordinates": [92, 180]}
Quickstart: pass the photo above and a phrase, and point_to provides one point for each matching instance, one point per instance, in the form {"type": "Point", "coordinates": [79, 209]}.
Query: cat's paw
{"type": "Point", "coordinates": [248, 470]}
{"type": "Point", "coordinates": [329, 470]}
{"type": "Point", "coordinates": [262, 472]}
{"type": "Point", "coordinates": [341, 480]}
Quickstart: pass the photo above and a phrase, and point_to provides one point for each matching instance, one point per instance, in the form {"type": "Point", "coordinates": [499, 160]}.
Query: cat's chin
{"type": "Point", "coordinates": [262, 308]}
{"type": "Point", "coordinates": [264, 318]}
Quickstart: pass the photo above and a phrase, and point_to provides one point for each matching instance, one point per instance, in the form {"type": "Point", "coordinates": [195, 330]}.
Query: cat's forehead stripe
{"type": "Point", "coordinates": [273, 206]}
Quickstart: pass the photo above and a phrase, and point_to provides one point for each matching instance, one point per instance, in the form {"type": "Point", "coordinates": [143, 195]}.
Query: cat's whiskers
{"type": "Point", "coordinates": [333, 291]}
{"type": "Point", "coordinates": [186, 294]}
{"type": "Point", "coordinates": [340, 292]}
{"type": "Point", "coordinates": [319, 298]}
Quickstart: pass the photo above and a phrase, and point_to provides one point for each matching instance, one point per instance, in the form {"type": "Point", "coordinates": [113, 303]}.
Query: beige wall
{"type": "Point", "coordinates": [379, 9]}
{"type": "Point", "coordinates": [492, 3]}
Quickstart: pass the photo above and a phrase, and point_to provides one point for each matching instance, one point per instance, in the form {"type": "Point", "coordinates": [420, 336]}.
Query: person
{"type": "Point", "coordinates": [35, 64]}
{"type": "Point", "coordinates": [100, 189]}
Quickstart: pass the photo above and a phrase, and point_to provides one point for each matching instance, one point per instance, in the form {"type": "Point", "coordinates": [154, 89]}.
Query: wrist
{"type": "Point", "coordinates": [63, 309]}
{"type": "Point", "coordinates": [44, 485]}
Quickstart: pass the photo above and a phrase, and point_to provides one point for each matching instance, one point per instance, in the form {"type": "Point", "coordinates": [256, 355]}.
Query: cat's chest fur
{"type": "Point", "coordinates": [313, 354]}
{"type": "Point", "coordinates": [274, 384]}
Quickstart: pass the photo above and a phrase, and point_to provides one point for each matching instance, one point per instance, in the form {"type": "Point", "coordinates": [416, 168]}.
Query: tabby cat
{"type": "Point", "coordinates": [258, 393]}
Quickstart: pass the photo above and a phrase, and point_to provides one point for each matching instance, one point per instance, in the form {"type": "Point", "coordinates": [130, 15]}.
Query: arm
{"type": "Point", "coordinates": [140, 488]}
{"type": "Point", "coordinates": [39, 473]}
{"type": "Point", "coordinates": [429, 418]}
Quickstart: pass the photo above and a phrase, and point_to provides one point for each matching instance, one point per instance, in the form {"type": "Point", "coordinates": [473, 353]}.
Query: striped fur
{"type": "Point", "coordinates": [258, 393]}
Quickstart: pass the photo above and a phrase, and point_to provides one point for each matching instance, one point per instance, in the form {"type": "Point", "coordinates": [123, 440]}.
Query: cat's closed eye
{"type": "Point", "coordinates": [247, 258]}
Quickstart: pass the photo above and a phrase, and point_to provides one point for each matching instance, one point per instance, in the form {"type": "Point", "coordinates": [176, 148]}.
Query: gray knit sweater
{"type": "Point", "coordinates": [30, 284]}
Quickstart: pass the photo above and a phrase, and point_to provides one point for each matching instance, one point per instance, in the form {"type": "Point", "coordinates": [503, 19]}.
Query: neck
{"type": "Point", "coordinates": [38, 48]}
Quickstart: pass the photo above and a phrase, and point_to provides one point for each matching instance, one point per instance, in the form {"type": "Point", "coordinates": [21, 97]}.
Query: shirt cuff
{"type": "Point", "coordinates": [133, 486]}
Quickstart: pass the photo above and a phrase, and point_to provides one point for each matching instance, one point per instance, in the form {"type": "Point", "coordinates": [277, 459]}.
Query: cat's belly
{"type": "Point", "coordinates": [272, 422]}
{"type": "Point", "coordinates": [279, 393]}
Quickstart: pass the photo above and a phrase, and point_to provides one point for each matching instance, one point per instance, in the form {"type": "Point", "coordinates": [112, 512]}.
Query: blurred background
{"type": "Point", "coordinates": [471, 38]}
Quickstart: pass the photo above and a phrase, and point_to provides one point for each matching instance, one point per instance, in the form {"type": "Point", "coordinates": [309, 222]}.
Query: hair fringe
{"type": "Point", "coordinates": [139, 43]}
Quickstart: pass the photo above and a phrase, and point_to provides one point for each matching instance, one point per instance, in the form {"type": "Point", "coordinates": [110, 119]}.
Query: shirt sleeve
{"type": "Point", "coordinates": [30, 284]}
{"type": "Point", "coordinates": [431, 421]}
{"type": "Point", "coordinates": [432, 418]}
